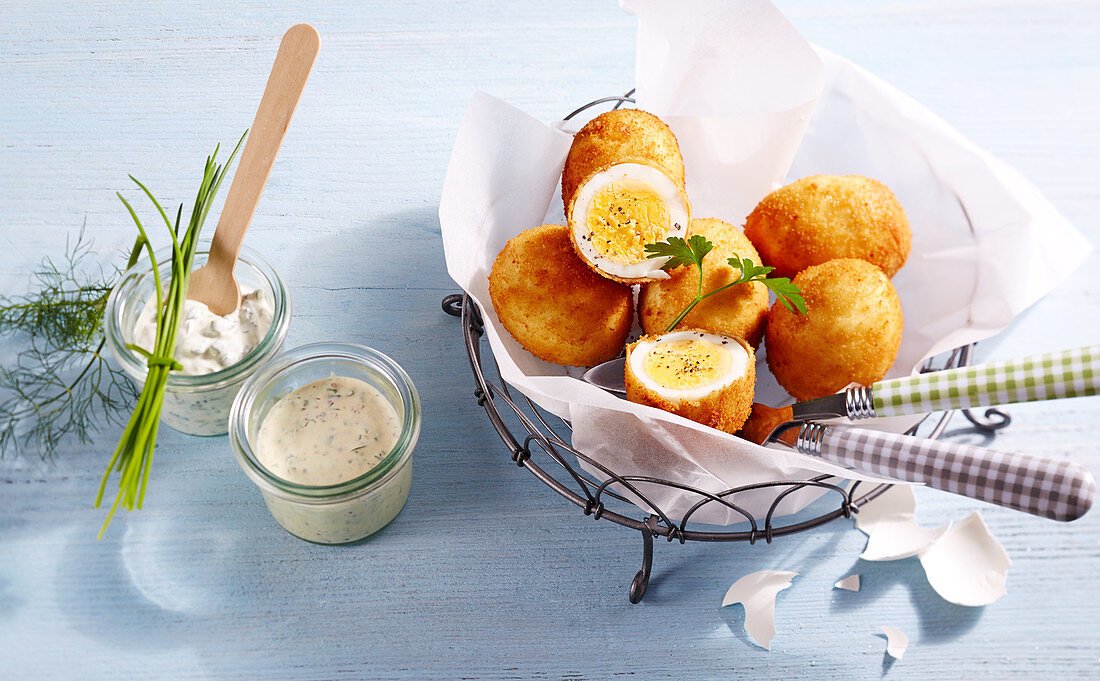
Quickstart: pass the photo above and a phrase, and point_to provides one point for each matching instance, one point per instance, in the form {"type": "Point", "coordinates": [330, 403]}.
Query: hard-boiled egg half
{"type": "Point", "coordinates": [701, 376]}
{"type": "Point", "coordinates": [620, 209]}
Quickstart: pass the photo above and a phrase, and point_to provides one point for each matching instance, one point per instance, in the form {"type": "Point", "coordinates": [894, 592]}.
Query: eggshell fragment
{"type": "Point", "coordinates": [896, 642]}
{"type": "Point", "coordinates": [849, 583]}
{"type": "Point", "coordinates": [967, 565]}
{"type": "Point", "coordinates": [757, 592]}
{"type": "Point", "coordinates": [899, 537]}
{"type": "Point", "coordinates": [894, 501]}
{"type": "Point", "coordinates": [891, 527]}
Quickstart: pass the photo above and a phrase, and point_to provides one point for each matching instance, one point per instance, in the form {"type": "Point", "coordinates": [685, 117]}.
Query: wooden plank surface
{"type": "Point", "coordinates": [486, 573]}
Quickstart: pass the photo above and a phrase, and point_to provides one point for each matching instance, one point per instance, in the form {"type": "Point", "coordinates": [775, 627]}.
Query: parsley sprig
{"type": "Point", "coordinates": [692, 251]}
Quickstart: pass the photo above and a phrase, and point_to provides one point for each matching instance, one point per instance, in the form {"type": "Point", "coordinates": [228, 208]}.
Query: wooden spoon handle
{"type": "Point", "coordinates": [293, 64]}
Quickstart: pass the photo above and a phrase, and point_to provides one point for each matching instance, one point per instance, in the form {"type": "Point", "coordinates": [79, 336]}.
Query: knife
{"type": "Point", "coordinates": [1049, 376]}
{"type": "Point", "coordinates": [1059, 490]}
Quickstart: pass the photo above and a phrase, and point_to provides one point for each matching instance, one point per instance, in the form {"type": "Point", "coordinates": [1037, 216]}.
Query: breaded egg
{"type": "Point", "coordinates": [702, 376]}
{"type": "Point", "coordinates": [740, 310]}
{"type": "Point", "coordinates": [554, 305]}
{"type": "Point", "coordinates": [850, 333]}
{"type": "Point", "coordinates": [617, 137]}
{"type": "Point", "coordinates": [824, 217]}
{"type": "Point", "coordinates": [620, 209]}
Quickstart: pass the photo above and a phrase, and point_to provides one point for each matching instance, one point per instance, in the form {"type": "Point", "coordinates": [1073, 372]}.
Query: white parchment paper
{"type": "Point", "coordinates": [754, 105]}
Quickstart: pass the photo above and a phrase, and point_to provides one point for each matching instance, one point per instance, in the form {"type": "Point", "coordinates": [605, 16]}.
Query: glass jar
{"type": "Point", "coordinates": [196, 405]}
{"type": "Point", "coordinates": [346, 511]}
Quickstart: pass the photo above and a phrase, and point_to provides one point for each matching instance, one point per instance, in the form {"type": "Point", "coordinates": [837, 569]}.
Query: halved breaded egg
{"type": "Point", "coordinates": [702, 376]}
{"type": "Point", "coordinates": [620, 209]}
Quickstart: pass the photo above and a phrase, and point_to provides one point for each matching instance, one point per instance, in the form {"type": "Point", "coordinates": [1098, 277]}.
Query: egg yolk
{"type": "Point", "coordinates": [623, 217]}
{"type": "Point", "coordinates": [685, 364]}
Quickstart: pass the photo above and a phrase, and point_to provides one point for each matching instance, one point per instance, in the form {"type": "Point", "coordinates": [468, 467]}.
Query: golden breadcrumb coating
{"type": "Point", "coordinates": [824, 217]}
{"type": "Point", "coordinates": [620, 136]}
{"type": "Point", "coordinates": [850, 333]}
{"type": "Point", "coordinates": [740, 310]}
{"type": "Point", "coordinates": [554, 305]}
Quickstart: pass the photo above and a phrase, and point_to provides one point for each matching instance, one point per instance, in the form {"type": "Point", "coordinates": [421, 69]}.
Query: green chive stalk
{"type": "Point", "coordinates": [133, 456]}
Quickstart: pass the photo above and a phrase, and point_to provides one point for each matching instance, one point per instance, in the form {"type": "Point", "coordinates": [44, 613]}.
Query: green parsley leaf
{"type": "Point", "coordinates": [692, 251]}
{"type": "Point", "coordinates": [680, 252]}
{"type": "Point", "coordinates": [786, 292]}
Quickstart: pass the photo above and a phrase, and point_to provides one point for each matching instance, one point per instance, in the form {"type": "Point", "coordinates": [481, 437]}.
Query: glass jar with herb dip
{"type": "Point", "coordinates": [217, 362]}
{"type": "Point", "coordinates": [326, 432]}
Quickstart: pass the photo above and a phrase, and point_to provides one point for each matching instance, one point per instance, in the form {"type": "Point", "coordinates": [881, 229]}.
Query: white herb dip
{"type": "Point", "coordinates": [206, 342]}
{"type": "Point", "coordinates": [327, 432]}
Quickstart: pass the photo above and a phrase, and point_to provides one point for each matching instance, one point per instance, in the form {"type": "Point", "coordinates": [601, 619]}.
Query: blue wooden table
{"type": "Point", "coordinates": [486, 573]}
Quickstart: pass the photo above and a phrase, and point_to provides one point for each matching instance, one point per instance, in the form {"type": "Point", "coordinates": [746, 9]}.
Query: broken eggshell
{"type": "Point", "coordinates": [889, 521]}
{"type": "Point", "coordinates": [964, 564]}
{"type": "Point", "coordinates": [757, 591]}
{"type": "Point", "coordinates": [849, 583]}
{"type": "Point", "coordinates": [896, 642]}
{"type": "Point", "coordinates": [897, 500]}
{"type": "Point", "coordinates": [899, 537]}
{"type": "Point", "coordinates": [967, 565]}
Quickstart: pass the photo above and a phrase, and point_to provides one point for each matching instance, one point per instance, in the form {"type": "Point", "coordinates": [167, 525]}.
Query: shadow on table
{"type": "Point", "coordinates": [8, 600]}
{"type": "Point", "coordinates": [939, 620]}
{"type": "Point", "coordinates": [667, 582]}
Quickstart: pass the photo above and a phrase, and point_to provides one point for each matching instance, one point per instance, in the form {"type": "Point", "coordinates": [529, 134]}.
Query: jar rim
{"type": "Point", "coordinates": [240, 415]}
{"type": "Point", "coordinates": [136, 366]}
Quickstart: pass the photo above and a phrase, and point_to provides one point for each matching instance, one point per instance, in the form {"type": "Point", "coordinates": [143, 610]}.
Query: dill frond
{"type": "Point", "coordinates": [60, 384]}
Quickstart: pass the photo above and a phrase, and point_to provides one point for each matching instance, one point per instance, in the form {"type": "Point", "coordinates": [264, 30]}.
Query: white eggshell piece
{"type": "Point", "coordinates": [757, 592]}
{"type": "Point", "coordinates": [967, 565]}
{"type": "Point", "coordinates": [895, 501]}
{"type": "Point", "coordinates": [896, 642]}
{"type": "Point", "coordinates": [898, 537]}
{"type": "Point", "coordinates": [849, 583]}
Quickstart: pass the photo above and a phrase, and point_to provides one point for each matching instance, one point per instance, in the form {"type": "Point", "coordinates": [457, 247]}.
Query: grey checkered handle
{"type": "Point", "coordinates": [1052, 489]}
{"type": "Point", "coordinates": [1070, 373]}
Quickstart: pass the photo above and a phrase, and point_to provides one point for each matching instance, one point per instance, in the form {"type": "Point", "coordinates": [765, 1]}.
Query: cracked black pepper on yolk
{"type": "Point", "coordinates": [688, 363]}
{"type": "Point", "coordinates": [623, 217]}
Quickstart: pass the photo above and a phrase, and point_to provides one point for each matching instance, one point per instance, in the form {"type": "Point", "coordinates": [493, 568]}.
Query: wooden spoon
{"type": "Point", "coordinates": [213, 283]}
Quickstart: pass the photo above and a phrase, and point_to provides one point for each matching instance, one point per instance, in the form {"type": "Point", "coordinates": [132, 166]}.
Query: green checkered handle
{"type": "Point", "coordinates": [1070, 373]}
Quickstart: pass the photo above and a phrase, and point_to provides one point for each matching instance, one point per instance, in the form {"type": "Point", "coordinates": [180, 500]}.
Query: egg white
{"type": "Point", "coordinates": [739, 362]}
{"type": "Point", "coordinates": [679, 213]}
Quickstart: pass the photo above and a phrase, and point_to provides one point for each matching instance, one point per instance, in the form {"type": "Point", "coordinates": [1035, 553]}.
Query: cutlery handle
{"type": "Point", "coordinates": [293, 64]}
{"type": "Point", "coordinates": [1059, 490]}
{"type": "Point", "coordinates": [1050, 376]}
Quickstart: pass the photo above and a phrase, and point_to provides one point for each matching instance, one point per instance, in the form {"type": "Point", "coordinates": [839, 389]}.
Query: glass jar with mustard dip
{"type": "Point", "coordinates": [326, 432]}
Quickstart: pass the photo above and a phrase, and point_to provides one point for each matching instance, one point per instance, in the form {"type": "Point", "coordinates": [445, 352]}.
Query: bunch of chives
{"type": "Point", "coordinates": [133, 456]}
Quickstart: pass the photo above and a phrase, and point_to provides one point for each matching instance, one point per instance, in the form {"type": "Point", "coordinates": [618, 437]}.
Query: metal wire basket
{"type": "Point", "coordinates": [545, 451]}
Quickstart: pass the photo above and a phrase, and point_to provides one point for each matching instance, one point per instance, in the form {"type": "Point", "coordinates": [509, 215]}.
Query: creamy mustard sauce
{"type": "Point", "coordinates": [206, 342]}
{"type": "Point", "coordinates": [327, 432]}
